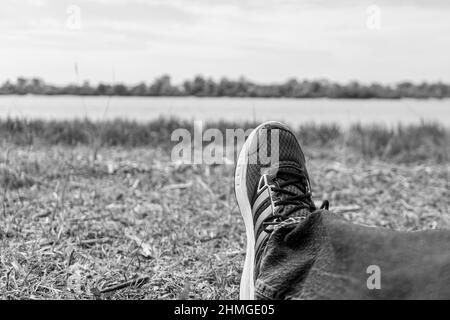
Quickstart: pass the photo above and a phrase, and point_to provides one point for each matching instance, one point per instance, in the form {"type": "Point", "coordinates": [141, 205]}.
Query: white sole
{"type": "Point", "coordinates": [247, 287]}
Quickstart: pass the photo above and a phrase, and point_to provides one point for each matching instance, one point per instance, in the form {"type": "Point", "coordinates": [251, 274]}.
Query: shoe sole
{"type": "Point", "coordinates": [247, 286]}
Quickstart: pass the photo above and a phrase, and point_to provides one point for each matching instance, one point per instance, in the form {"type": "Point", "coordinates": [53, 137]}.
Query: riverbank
{"type": "Point", "coordinates": [401, 144]}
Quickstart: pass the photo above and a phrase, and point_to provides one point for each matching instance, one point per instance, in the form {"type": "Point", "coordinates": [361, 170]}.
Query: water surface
{"type": "Point", "coordinates": [292, 111]}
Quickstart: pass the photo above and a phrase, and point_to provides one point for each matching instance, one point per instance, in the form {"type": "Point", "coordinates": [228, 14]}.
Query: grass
{"type": "Point", "coordinates": [403, 143]}
{"type": "Point", "coordinates": [98, 210]}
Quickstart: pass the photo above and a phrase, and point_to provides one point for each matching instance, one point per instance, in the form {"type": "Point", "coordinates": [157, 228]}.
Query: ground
{"type": "Point", "coordinates": [132, 224]}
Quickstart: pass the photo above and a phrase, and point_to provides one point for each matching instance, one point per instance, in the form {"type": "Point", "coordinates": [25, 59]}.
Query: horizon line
{"type": "Point", "coordinates": [232, 79]}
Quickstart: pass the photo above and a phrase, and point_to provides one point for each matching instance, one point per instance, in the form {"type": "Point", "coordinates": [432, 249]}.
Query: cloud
{"type": "Point", "coordinates": [265, 39]}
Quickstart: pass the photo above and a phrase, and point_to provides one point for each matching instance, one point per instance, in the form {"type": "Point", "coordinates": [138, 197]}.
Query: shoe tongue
{"type": "Point", "coordinates": [294, 169]}
{"type": "Point", "coordinates": [295, 188]}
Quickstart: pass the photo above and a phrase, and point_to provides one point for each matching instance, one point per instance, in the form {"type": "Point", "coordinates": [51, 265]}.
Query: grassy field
{"type": "Point", "coordinates": [98, 210]}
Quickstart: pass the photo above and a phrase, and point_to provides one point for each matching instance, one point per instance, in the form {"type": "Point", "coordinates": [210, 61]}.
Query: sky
{"type": "Point", "coordinates": [265, 41]}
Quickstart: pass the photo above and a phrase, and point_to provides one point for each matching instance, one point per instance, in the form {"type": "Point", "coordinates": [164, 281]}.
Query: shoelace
{"type": "Point", "coordinates": [298, 201]}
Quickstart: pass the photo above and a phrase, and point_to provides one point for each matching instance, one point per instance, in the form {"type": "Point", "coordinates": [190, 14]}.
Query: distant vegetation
{"type": "Point", "coordinates": [207, 87]}
{"type": "Point", "coordinates": [404, 143]}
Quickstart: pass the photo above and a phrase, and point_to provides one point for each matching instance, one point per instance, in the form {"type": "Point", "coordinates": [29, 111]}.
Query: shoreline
{"type": "Point", "coordinates": [426, 141]}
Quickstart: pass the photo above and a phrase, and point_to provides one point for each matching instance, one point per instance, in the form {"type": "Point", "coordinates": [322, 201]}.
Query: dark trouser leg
{"type": "Point", "coordinates": [326, 257]}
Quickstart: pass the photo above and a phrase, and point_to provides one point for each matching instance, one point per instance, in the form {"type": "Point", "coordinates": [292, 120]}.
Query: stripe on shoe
{"type": "Point", "coordinates": [264, 214]}
{"type": "Point", "coordinates": [262, 236]}
{"type": "Point", "coordinates": [261, 209]}
{"type": "Point", "coordinates": [263, 195]}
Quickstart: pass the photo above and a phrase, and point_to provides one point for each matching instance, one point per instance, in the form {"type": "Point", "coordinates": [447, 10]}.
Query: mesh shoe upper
{"type": "Point", "coordinates": [288, 151]}
{"type": "Point", "coordinates": [277, 180]}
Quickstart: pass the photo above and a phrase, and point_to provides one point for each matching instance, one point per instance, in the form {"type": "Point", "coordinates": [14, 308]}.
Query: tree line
{"type": "Point", "coordinates": [207, 87]}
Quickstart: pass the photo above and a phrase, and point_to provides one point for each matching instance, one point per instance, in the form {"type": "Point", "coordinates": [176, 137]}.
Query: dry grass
{"type": "Point", "coordinates": [402, 143]}
{"type": "Point", "coordinates": [72, 227]}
